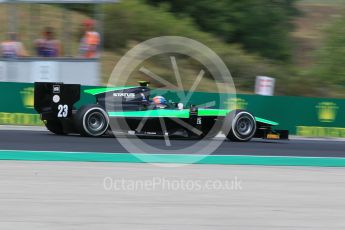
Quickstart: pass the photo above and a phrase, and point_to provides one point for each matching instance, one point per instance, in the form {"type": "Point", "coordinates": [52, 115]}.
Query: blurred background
{"type": "Point", "coordinates": [300, 43]}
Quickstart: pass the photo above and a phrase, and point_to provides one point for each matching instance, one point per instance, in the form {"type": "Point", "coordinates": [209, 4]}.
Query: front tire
{"type": "Point", "coordinates": [239, 126]}
{"type": "Point", "coordinates": [91, 121]}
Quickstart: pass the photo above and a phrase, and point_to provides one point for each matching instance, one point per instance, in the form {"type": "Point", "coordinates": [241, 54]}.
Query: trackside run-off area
{"type": "Point", "coordinates": [71, 182]}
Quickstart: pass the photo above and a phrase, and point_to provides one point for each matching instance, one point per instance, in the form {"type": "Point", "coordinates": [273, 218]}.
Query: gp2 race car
{"type": "Point", "coordinates": [128, 110]}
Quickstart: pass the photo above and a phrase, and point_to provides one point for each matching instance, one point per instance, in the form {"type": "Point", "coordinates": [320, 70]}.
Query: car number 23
{"type": "Point", "coordinates": [63, 111]}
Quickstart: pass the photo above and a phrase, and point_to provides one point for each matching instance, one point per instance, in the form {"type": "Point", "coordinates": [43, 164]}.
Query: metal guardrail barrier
{"type": "Point", "coordinates": [67, 70]}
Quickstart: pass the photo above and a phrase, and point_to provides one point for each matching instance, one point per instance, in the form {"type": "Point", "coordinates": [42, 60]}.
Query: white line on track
{"type": "Point", "coordinates": [23, 128]}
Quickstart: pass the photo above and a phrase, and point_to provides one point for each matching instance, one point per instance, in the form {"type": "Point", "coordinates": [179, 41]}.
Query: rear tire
{"type": "Point", "coordinates": [55, 126]}
{"type": "Point", "coordinates": [239, 126]}
{"type": "Point", "coordinates": [91, 121]}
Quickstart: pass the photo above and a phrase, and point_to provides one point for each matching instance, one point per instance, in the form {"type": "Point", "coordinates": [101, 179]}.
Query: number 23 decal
{"type": "Point", "coordinates": [63, 110]}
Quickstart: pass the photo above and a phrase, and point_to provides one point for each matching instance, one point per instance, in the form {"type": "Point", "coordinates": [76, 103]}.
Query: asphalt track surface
{"type": "Point", "coordinates": [45, 141]}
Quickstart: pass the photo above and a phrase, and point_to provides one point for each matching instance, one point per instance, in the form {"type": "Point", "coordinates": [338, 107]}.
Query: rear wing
{"type": "Point", "coordinates": [55, 100]}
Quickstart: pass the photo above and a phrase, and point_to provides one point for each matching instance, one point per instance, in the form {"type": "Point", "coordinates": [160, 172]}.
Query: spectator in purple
{"type": "Point", "coordinates": [48, 46]}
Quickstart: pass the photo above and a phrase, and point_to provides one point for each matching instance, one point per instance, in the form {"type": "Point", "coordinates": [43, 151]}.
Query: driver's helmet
{"type": "Point", "coordinates": [160, 102]}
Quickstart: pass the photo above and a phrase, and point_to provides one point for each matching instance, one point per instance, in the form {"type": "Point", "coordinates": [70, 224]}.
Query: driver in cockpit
{"type": "Point", "coordinates": [160, 102]}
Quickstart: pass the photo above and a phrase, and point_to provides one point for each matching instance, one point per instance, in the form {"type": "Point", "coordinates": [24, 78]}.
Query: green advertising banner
{"type": "Point", "coordinates": [17, 104]}
{"type": "Point", "coordinates": [310, 117]}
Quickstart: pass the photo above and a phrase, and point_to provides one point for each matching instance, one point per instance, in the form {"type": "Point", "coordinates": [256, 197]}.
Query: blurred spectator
{"type": "Point", "coordinates": [48, 46]}
{"type": "Point", "coordinates": [89, 44]}
{"type": "Point", "coordinates": [12, 48]}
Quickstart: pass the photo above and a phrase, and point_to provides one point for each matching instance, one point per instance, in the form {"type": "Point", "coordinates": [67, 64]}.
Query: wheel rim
{"type": "Point", "coordinates": [244, 126]}
{"type": "Point", "coordinates": [96, 122]}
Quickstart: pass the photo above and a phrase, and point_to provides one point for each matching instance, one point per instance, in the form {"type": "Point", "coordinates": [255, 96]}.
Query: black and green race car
{"type": "Point", "coordinates": [128, 110]}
